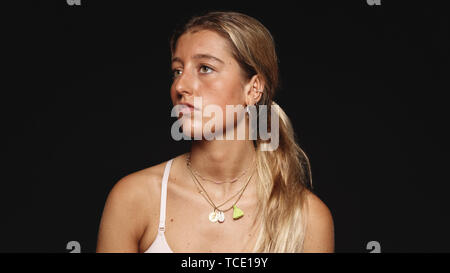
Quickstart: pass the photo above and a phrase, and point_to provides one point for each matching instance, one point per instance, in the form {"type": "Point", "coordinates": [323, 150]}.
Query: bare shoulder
{"type": "Point", "coordinates": [141, 182]}
{"type": "Point", "coordinates": [129, 206]}
{"type": "Point", "coordinates": [320, 226]}
{"type": "Point", "coordinates": [138, 186]}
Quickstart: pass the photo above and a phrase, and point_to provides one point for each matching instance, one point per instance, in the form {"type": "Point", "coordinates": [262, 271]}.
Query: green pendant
{"type": "Point", "coordinates": [237, 212]}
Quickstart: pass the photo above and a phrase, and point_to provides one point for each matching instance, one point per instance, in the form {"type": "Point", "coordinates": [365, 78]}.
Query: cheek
{"type": "Point", "coordinates": [222, 90]}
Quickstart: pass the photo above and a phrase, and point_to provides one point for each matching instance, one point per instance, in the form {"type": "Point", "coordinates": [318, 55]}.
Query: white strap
{"type": "Point", "coordinates": [162, 211]}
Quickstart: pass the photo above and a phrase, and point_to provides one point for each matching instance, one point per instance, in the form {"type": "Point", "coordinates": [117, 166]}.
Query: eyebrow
{"type": "Point", "coordinates": [199, 56]}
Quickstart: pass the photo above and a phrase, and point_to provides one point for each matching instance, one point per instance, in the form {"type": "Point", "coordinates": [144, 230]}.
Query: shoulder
{"type": "Point", "coordinates": [131, 203]}
{"type": "Point", "coordinates": [139, 188]}
{"type": "Point", "coordinates": [140, 182]}
{"type": "Point", "coordinates": [319, 235]}
{"type": "Point", "coordinates": [136, 186]}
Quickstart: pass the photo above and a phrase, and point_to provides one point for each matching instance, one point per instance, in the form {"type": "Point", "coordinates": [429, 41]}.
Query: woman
{"type": "Point", "coordinates": [224, 195]}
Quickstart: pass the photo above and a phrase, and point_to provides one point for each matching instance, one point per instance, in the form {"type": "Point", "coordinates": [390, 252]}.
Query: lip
{"type": "Point", "coordinates": [191, 107]}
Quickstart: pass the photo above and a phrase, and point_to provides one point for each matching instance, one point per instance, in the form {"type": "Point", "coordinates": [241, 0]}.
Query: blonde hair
{"type": "Point", "coordinates": [284, 173]}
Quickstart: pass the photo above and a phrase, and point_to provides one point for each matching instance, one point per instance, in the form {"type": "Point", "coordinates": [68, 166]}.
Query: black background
{"type": "Point", "coordinates": [85, 101]}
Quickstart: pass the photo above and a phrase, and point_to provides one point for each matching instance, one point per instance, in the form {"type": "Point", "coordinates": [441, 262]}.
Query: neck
{"type": "Point", "coordinates": [223, 160]}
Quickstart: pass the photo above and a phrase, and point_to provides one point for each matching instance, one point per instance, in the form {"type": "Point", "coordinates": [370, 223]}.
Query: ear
{"type": "Point", "coordinates": [254, 90]}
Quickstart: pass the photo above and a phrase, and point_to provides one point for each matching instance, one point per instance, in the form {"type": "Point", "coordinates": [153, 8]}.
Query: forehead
{"type": "Point", "coordinates": [202, 42]}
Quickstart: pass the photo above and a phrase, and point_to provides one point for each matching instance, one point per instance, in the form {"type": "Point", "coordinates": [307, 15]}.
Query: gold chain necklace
{"type": "Point", "coordinates": [218, 215]}
{"type": "Point", "coordinates": [206, 179]}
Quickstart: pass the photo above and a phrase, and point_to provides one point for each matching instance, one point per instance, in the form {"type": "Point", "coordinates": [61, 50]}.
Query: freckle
{"type": "Point", "coordinates": [171, 219]}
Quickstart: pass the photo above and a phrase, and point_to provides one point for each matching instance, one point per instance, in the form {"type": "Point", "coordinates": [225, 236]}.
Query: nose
{"type": "Point", "coordinates": [184, 84]}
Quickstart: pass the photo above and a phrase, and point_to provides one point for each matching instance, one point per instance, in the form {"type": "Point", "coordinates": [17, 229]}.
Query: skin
{"type": "Point", "coordinates": [131, 215]}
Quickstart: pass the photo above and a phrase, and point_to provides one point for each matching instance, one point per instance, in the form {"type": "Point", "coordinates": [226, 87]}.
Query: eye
{"type": "Point", "coordinates": [205, 69]}
{"type": "Point", "coordinates": [176, 73]}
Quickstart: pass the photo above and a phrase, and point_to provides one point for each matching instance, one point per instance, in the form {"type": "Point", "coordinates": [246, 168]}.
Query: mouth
{"type": "Point", "coordinates": [187, 107]}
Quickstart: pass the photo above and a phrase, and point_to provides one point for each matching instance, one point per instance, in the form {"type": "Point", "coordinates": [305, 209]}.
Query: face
{"type": "Point", "coordinates": [203, 67]}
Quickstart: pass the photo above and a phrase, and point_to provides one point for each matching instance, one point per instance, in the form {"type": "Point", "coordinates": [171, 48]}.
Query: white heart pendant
{"type": "Point", "coordinates": [213, 217]}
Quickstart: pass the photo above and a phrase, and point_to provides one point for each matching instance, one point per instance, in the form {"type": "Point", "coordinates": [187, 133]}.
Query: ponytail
{"type": "Point", "coordinates": [283, 174]}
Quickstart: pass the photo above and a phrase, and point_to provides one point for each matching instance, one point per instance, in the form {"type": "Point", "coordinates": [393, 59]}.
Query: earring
{"type": "Point", "coordinates": [262, 90]}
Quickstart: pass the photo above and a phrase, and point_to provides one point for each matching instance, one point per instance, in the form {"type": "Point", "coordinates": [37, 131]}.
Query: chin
{"type": "Point", "coordinates": [192, 128]}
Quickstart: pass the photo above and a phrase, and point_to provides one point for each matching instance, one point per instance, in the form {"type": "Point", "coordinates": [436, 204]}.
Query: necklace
{"type": "Point", "coordinates": [188, 159]}
{"type": "Point", "coordinates": [217, 215]}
